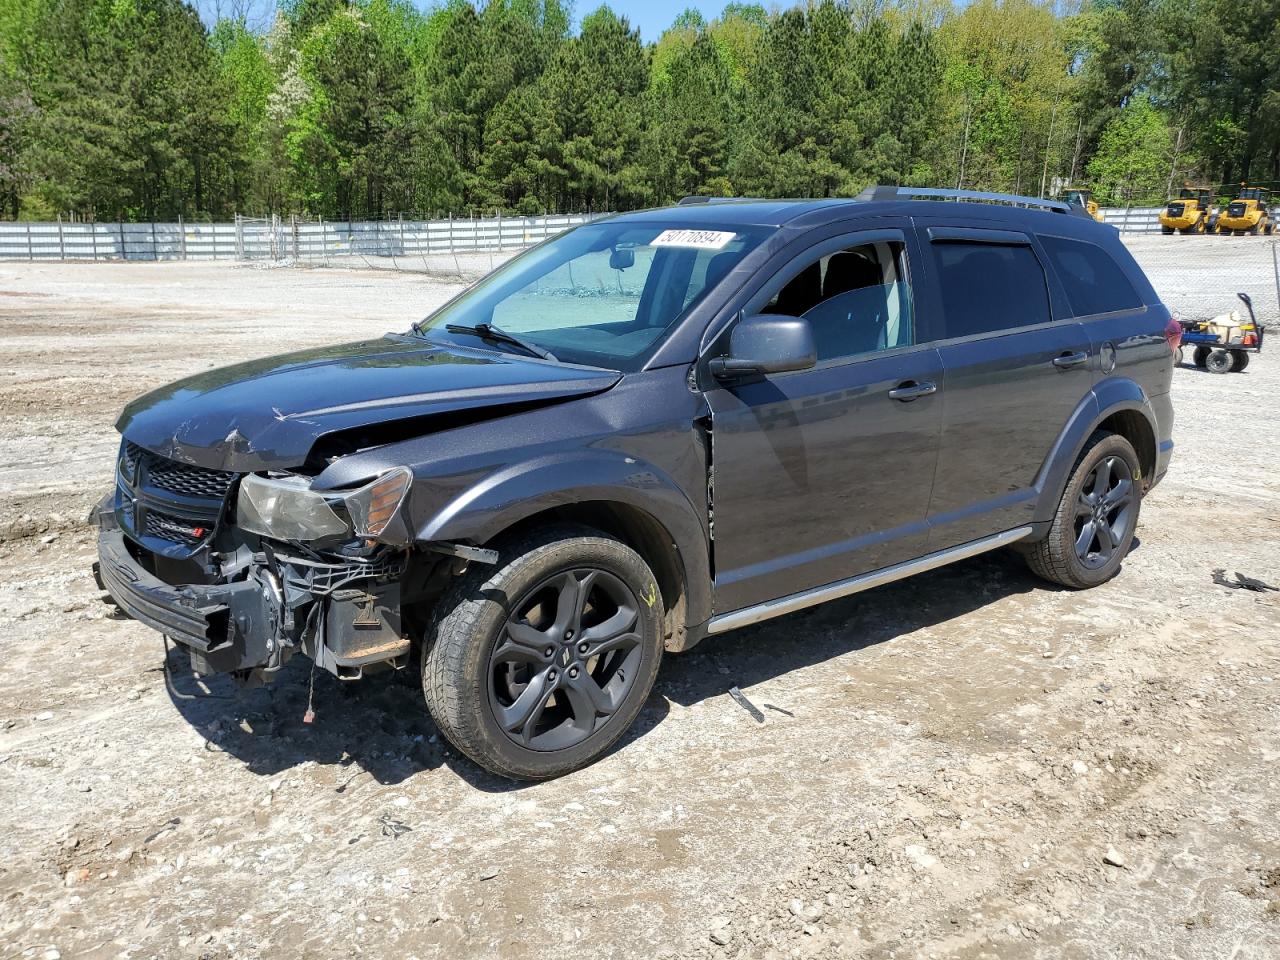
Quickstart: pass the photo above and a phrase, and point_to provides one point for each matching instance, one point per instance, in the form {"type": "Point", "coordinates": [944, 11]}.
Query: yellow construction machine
{"type": "Point", "coordinates": [1249, 212]}
{"type": "Point", "coordinates": [1081, 197]}
{"type": "Point", "coordinates": [1192, 212]}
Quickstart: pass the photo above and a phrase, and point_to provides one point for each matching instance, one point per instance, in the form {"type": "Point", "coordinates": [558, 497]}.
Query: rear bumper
{"type": "Point", "coordinates": [1162, 407]}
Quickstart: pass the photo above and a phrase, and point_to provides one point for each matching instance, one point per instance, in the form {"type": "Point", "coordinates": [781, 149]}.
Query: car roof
{"type": "Point", "coordinates": [815, 213]}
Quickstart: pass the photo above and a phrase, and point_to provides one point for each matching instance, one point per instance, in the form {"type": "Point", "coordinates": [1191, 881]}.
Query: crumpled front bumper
{"type": "Point", "coordinates": [346, 617]}
{"type": "Point", "coordinates": [227, 627]}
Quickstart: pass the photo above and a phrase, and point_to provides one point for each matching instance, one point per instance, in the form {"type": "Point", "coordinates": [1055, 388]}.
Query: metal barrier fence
{"type": "Point", "coordinates": [1133, 219]}
{"type": "Point", "coordinates": [1198, 277]}
{"type": "Point", "coordinates": [275, 238]}
{"type": "Point", "coordinates": [278, 238]}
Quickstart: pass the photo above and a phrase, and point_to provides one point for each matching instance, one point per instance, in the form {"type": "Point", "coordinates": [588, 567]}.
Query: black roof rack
{"type": "Point", "coordinates": [700, 198]}
{"type": "Point", "coordinates": [935, 193]}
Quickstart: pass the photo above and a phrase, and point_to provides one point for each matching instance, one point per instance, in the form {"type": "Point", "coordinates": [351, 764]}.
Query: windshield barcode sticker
{"type": "Point", "coordinates": [703, 239]}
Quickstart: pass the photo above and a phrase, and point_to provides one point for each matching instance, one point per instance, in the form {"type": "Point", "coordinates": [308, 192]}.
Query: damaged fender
{"type": "Point", "coordinates": [521, 490]}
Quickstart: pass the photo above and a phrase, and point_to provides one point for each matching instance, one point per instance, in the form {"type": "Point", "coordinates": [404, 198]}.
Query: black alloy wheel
{"type": "Point", "coordinates": [1104, 512]}
{"type": "Point", "coordinates": [1093, 526]}
{"type": "Point", "coordinates": [535, 666]}
{"type": "Point", "coordinates": [566, 660]}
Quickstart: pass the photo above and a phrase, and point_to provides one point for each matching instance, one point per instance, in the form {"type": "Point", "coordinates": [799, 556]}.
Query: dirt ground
{"type": "Point", "coordinates": [968, 764]}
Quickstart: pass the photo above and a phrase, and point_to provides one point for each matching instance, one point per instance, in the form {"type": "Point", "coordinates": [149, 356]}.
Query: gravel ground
{"type": "Point", "coordinates": [967, 764]}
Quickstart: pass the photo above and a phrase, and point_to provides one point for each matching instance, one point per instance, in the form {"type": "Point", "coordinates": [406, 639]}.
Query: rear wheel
{"type": "Point", "coordinates": [537, 666]}
{"type": "Point", "coordinates": [1239, 360]}
{"type": "Point", "coordinates": [1220, 361]}
{"type": "Point", "coordinates": [1093, 527]}
{"type": "Point", "coordinates": [1201, 356]}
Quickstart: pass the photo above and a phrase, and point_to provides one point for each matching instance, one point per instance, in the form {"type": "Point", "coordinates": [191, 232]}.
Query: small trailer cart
{"type": "Point", "coordinates": [1224, 343]}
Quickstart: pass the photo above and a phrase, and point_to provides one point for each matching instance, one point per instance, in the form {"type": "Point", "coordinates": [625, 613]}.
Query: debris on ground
{"type": "Point", "coordinates": [741, 699]}
{"type": "Point", "coordinates": [1241, 582]}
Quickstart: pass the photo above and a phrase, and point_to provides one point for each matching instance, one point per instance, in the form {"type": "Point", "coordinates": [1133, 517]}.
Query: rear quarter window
{"type": "Point", "coordinates": [1094, 281]}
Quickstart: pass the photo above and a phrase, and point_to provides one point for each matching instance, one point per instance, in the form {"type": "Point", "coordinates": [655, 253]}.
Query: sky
{"type": "Point", "coordinates": [653, 16]}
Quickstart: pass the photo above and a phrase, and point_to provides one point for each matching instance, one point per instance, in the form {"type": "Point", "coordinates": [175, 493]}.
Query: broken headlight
{"type": "Point", "coordinates": [286, 508]}
{"type": "Point", "coordinates": [374, 505]}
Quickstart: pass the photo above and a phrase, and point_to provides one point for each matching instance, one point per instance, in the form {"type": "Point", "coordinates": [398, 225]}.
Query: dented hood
{"type": "Point", "coordinates": [268, 414]}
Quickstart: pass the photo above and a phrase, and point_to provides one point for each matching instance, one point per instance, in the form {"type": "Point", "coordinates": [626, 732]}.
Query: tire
{"type": "Point", "coordinates": [1167, 231]}
{"type": "Point", "coordinates": [1177, 357]}
{"type": "Point", "coordinates": [1255, 229]}
{"type": "Point", "coordinates": [485, 650]}
{"type": "Point", "coordinates": [1201, 356]}
{"type": "Point", "coordinates": [1220, 361]}
{"type": "Point", "coordinates": [1059, 557]}
{"type": "Point", "coordinates": [1239, 360]}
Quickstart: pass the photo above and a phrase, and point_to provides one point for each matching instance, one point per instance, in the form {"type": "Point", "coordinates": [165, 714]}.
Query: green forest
{"type": "Point", "coordinates": [369, 109]}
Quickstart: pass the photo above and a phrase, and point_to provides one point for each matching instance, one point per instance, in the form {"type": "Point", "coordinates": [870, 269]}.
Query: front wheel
{"type": "Point", "coordinates": [1220, 361]}
{"type": "Point", "coordinates": [1093, 527]}
{"type": "Point", "coordinates": [535, 667]}
{"type": "Point", "coordinates": [1201, 356]}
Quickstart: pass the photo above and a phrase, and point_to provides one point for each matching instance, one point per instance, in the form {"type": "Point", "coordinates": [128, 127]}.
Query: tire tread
{"type": "Point", "coordinates": [453, 629]}
{"type": "Point", "coordinates": [1052, 558]}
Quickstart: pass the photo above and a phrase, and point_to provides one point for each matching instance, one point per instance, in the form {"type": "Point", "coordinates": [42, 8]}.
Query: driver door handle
{"type": "Point", "coordinates": [1068, 360]}
{"type": "Point", "coordinates": [911, 389]}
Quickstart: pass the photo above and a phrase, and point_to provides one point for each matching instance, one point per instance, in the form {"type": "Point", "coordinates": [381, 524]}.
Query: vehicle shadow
{"type": "Point", "coordinates": [379, 726]}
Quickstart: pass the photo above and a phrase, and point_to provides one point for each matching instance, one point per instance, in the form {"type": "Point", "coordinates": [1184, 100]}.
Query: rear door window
{"type": "Point", "coordinates": [989, 287]}
{"type": "Point", "coordinates": [1095, 283]}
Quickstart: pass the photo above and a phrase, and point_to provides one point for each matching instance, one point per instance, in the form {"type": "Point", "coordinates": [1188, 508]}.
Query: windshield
{"type": "Point", "coordinates": [1079, 198]}
{"type": "Point", "coordinates": [603, 294]}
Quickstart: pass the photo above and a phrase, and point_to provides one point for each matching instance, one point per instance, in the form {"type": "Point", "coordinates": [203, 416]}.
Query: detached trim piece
{"type": "Point", "coordinates": [843, 588]}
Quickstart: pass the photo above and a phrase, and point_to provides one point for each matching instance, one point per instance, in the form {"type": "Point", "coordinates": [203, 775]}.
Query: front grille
{"type": "Point", "coordinates": [1175, 209]}
{"type": "Point", "coordinates": [129, 459]}
{"type": "Point", "coordinates": [1236, 210]}
{"type": "Point", "coordinates": [165, 500]}
{"type": "Point", "coordinates": [175, 529]}
{"type": "Point", "coordinates": [181, 478]}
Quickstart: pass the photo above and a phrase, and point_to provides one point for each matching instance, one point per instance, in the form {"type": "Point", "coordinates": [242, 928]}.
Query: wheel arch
{"type": "Point", "coordinates": [1117, 405]}
{"type": "Point", "coordinates": [632, 501]}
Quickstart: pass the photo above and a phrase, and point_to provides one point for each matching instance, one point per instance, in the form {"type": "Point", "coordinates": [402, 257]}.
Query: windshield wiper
{"type": "Point", "coordinates": [487, 331]}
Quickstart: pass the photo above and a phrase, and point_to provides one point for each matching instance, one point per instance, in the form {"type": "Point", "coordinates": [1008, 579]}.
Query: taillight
{"type": "Point", "coordinates": [1173, 334]}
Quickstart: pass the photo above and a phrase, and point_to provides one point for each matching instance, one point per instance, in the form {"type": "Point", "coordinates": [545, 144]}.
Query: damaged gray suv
{"type": "Point", "coordinates": [652, 428]}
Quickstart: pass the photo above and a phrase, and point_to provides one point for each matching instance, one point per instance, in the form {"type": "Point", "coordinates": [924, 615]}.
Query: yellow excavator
{"type": "Point", "coordinates": [1192, 212]}
{"type": "Point", "coordinates": [1081, 197]}
{"type": "Point", "coordinates": [1249, 212]}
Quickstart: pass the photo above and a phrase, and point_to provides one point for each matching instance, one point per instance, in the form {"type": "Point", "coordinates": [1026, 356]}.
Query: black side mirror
{"type": "Point", "coordinates": [764, 344]}
{"type": "Point", "coordinates": [620, 258]}
{"type": "Point", "coordinates": [1248, 302]}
